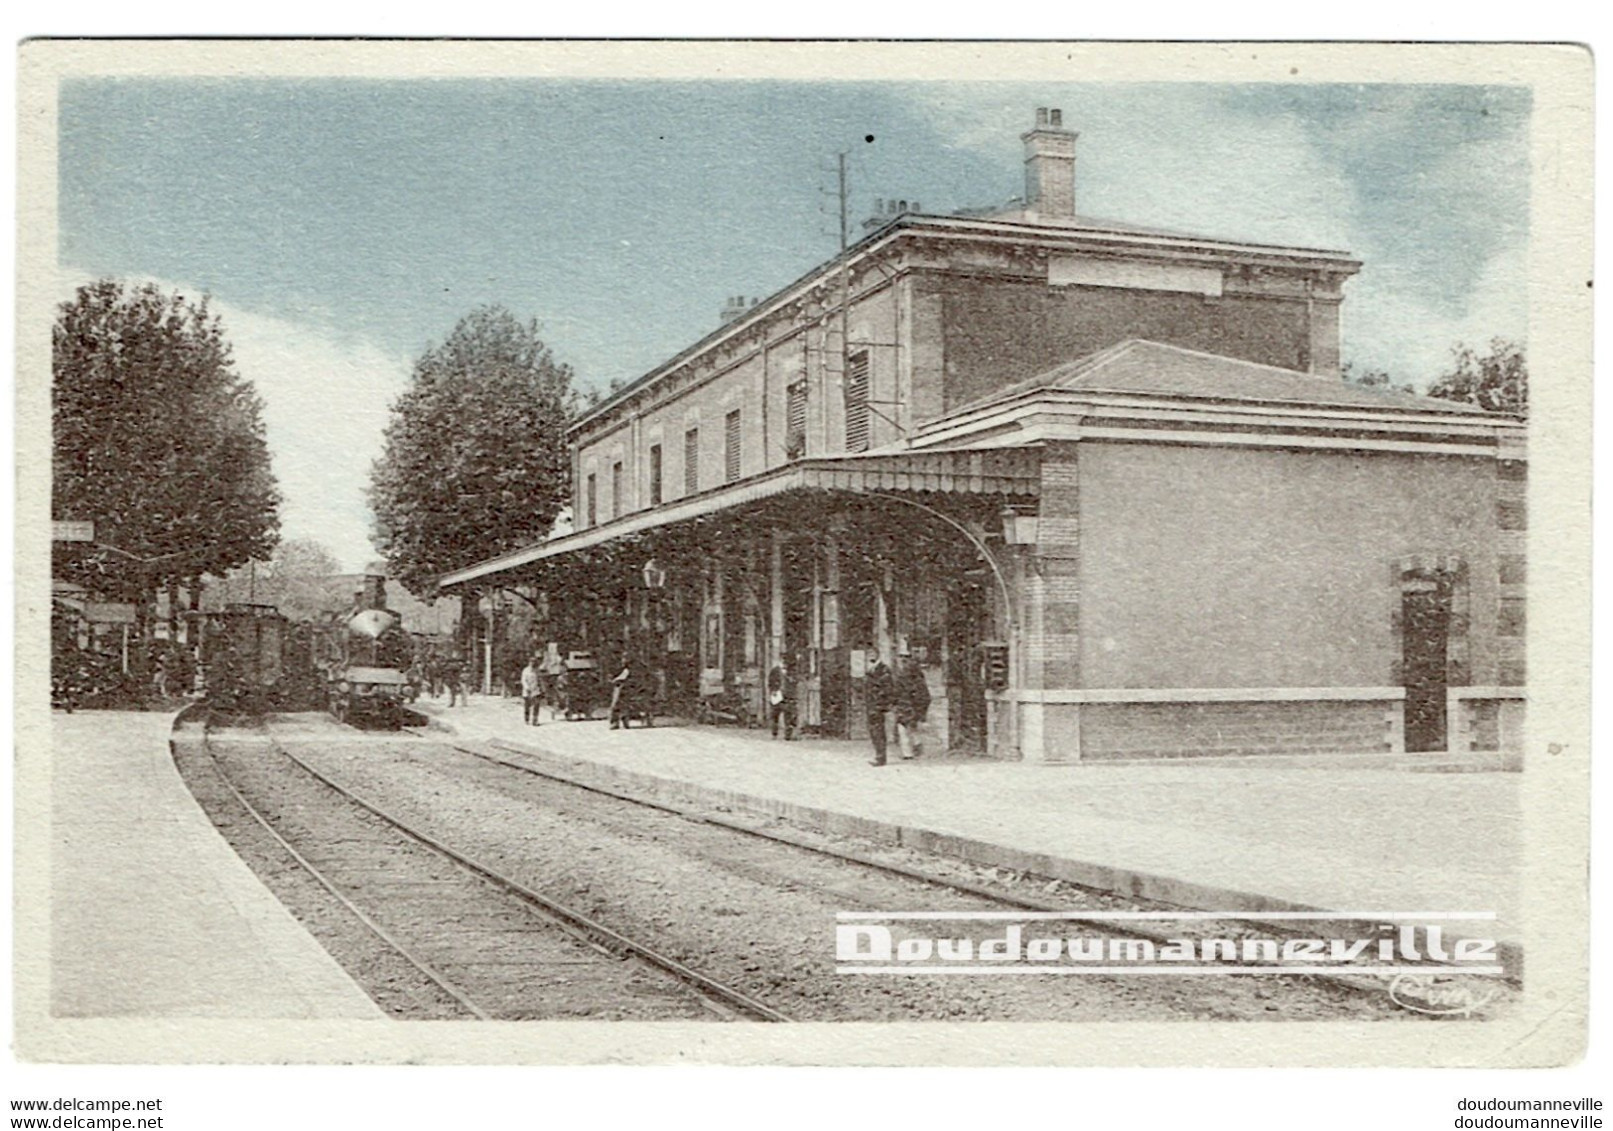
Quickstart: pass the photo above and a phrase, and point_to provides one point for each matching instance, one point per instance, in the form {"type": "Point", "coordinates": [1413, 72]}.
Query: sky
{"type": "Point", "coordinates": [341, 227]}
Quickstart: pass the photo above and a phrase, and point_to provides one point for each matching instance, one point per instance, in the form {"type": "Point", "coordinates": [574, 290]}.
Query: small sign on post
{"type": "Point", "coordinates": [71, 531]}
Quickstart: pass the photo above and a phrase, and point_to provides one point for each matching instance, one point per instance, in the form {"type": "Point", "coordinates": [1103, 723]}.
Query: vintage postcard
{"type": "Point", "coordinates": [803, 553]}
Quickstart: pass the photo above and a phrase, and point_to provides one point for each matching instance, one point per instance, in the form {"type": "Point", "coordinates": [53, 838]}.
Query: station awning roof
{"type": "Point", "coordinates": [1004, 471]}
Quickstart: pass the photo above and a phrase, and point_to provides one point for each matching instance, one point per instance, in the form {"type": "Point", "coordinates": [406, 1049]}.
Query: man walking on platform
{"type": "Point", "coordinates": [881, 692]}
{"type": "Point", "coordinates": [531, 691]}
{"type": "Point", "coordinates": [912, 705]}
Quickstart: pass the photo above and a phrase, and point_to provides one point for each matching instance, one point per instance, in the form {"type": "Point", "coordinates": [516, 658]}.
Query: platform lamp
{"type": "Point", "coordinates": [654, 589]}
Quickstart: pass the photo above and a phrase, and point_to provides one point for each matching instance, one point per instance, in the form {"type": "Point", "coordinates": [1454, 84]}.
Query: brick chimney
{"type": "Point", "coordinates": [735, 306]}
{"type": "Point", "coordinates": [1050, 166]}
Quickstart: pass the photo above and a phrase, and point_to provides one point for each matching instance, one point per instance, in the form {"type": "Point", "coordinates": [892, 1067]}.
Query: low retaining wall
{"type": "Point", "coordinates": [1184, 730]}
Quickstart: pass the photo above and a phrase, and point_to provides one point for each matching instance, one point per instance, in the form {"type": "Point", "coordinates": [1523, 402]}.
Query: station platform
{"type": "Point", "coordinates": [1248, 835]}
{"type": "Point", "coordinates": [152, 913]}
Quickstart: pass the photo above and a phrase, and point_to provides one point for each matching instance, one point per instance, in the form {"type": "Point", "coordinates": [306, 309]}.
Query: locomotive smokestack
{"type": "Point", "coordinates": [373, 595]}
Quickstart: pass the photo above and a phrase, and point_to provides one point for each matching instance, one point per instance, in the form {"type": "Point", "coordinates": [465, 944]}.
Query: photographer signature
{"type": "Point", "coordinates": [1439, 995]}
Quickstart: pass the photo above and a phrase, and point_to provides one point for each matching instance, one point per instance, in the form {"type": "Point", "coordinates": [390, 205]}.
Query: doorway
{"type": "Point", "coordinates": [968, 623]}
{"type": "Point", "coordinates": [1426, 622]}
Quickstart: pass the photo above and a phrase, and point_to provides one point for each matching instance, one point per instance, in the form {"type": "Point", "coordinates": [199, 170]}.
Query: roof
{"type": "Point", "coordinates": [1110, 237]}
{"type": "Point", "coordinates": [1137, 366]}
{"type": "Point", "coordinates": [955, 470]}
{"type": "Point", "coordinates": [1019, 213]}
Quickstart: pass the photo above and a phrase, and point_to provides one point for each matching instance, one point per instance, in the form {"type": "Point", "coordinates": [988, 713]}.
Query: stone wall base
{"type": "Point", "coordinates": [1096, 731]}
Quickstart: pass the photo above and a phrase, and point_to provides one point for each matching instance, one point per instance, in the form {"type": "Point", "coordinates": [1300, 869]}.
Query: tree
{"type": "Point", "coordinates": [1374, 379]}
{"type": "Point", "coordinates": [156, 439]}
{"type": "Point", "coordinates": [475, 461]}
{"type": "Point", "coordinates": [299, 580]}
{"type": "Point", "coordinates": [1496, 382]}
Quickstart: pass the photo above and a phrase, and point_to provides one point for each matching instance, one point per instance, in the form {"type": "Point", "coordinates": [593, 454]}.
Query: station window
{"type": "Point", "coordinates": [691, 461]}
{"type": "Point", "coordinates": [593, 501]}
{"type": "Point", "coordinates": [795, 416]}
{"type": "Point", "coordinates": [857, 402]}
{"type": "Point", "coordinates": [616, 489]}
{"type": "Point", "coordinates": [731, 446]}
{"type": "Point", "coordinates": [655, 475]}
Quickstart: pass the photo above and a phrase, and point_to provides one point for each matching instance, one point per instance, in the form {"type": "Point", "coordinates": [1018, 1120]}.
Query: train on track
{"type": "Point", "coordinates": [369, 658]}
{"type": "Point", "coordinates": [355, 664]}
{"type": "Point", "coordinates": [248, 658]}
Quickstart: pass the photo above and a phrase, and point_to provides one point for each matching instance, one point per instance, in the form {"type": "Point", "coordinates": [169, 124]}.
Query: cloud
{"type": "Point", "coordinates": [1428, 186]}
{"type": "Point", "coordinates": [1403, 331]}
{"type": "Point", "coordinates": [326, 399]}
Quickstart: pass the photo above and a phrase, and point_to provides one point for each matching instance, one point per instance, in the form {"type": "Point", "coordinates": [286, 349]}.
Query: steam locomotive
{"type": "Point", "coordinates": [368, 658]}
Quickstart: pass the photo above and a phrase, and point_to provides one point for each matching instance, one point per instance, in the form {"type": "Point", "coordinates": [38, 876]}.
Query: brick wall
{"type": "Point", "coordinates": [754, 379]}
{"type": "Point", "coordinates": [1001, 330]}
{"type": "Point", "coordinates": [1174, 730]}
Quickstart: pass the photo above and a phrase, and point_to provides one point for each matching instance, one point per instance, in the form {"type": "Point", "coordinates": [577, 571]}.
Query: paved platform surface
{"type": "Point", "coordinates": [1246, 835]}
{"type": "Point", "coordinates": [152, 913]}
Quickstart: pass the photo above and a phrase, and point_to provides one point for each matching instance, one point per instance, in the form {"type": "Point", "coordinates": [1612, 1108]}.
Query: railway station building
{"type": "Point", "coordinates": [1105, 485]}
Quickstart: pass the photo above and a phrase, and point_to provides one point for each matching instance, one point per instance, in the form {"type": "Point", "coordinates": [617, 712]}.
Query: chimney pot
{"type": "Point", "coordinates": [1050, 166]}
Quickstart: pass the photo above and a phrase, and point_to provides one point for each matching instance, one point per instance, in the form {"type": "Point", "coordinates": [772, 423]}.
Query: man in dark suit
{"type": "Point", "coordinates": [880, 687]}
{"type": "Point", "coordinates": [912, 705]}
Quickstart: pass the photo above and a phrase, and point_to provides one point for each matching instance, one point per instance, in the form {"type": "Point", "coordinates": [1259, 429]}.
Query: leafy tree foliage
{"type": "Point", "coordinates": [156, 439]}
{"type": "Point", "coordinates": [1497, 381]}
{"type": "Point", "coordinates": [475, 461]}
{"type": "Point", "coordinates": [1374, 379]}
{"type": "Point", "coordinates": [299, 580]}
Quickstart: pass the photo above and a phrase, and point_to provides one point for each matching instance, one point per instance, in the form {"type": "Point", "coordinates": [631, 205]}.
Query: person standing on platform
{"type": "Point", "coordinates": [781, 701]}
{"type": "Point", "coordinates": [627, 696]}
{"type": "Point", "coordinates": [454, 673]}
{"type": "Point", "coordinates": [550, 673]}
{"type": "Point", "coordinates": [531, 691]}
{"type": "Point", "coordinates": [880, 687]}
{"type": "Point", "coordinates": [912, 705]}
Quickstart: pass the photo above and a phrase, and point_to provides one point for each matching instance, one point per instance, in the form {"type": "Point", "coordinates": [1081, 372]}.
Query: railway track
{"type": "Point", "coordinates": [471, 951]}
{"type": "Point", "coordinates": [1361, 985]}
{"type": "Point", "coordinates": [695, 896]}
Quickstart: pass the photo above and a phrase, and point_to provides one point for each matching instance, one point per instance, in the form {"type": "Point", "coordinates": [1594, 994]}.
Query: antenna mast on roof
{"type": "Point", "coordinates": [845, 288]}
{"type": "Point", "coordinates": [843, 236]}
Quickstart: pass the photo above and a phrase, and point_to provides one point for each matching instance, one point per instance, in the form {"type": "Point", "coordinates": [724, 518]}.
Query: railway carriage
{"type": "Point", "coordinates": [243, 655]}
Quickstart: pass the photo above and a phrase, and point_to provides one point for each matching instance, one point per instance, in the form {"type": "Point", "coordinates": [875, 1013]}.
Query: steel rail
{"type": "Point", "coordinates": [733, 999]}
{"type": "Point", "coordinates": [1358, 984]}
{"type": "Point", "coordinates": [435, 976]}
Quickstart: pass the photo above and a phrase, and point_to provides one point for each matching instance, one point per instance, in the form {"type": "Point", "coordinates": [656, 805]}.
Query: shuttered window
{"type": "Point", "coordinates": [593, 502]}
{"type": "Point", "coordinates": [691, 461]}
{"type": "Point", "coordinates": [616, 489]}
{"type": "Point", "coordinates": [655, 475]}
{"type": "Point", "coordinates": [857, 402]}
{"type": "Point", "coordinates": [795, 414]}
{"type": "Point", "coordinates": [730, 466]}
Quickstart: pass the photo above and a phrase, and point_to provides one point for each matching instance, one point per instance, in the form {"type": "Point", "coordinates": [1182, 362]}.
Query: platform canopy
{"type": "Point", "coordinates": [995, 471]}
